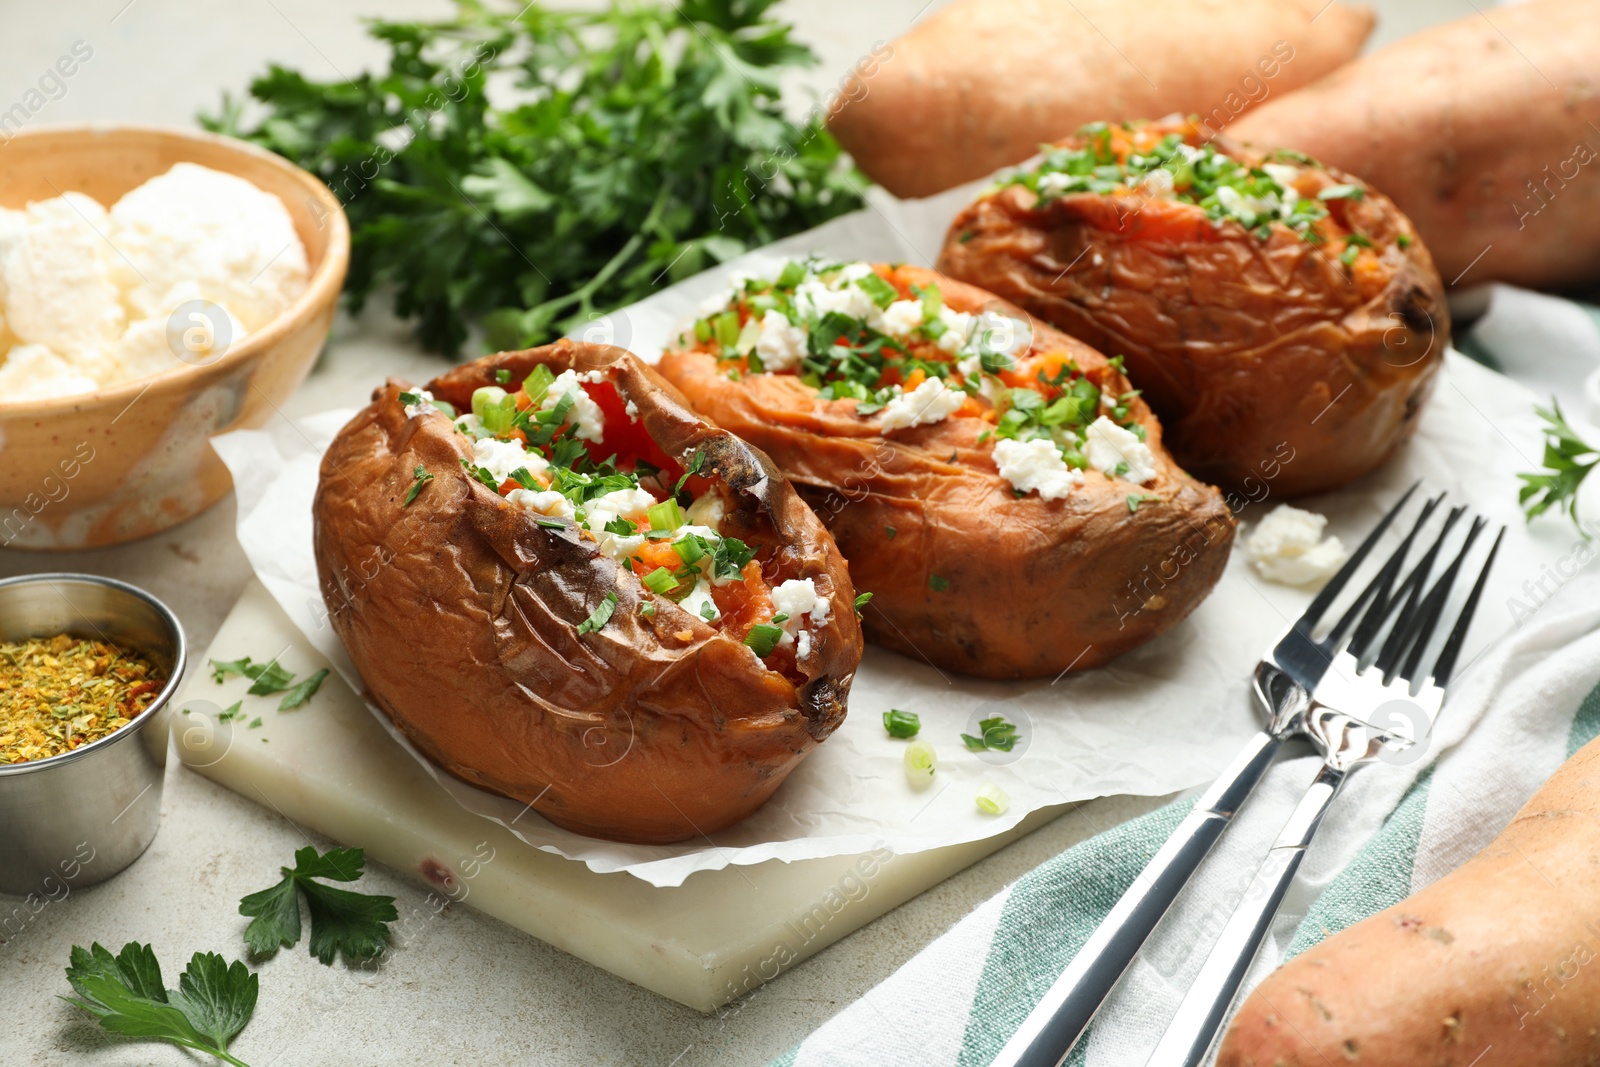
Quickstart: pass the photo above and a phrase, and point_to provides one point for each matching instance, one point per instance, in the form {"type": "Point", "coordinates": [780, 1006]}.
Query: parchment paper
{"type": "Point", "coordinates": [1162, 718]}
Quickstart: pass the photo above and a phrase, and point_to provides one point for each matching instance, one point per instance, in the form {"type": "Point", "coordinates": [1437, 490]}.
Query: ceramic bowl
{"type": "Point", "coordinates": [100, 468]}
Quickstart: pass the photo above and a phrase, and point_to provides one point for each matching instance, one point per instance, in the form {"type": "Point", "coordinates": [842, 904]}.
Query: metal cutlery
{"type": "Point", "coordinates": [1284, 679]}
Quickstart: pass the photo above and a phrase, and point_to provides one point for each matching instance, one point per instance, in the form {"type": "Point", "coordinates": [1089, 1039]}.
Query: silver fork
{"type": "Point", "coordinates": [1363, 710]}
{"type": "Point", "coordinates": [1283, 681]}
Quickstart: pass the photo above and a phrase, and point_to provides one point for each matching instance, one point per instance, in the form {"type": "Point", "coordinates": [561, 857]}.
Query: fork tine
{"type": "Point", "coordinates": [1412, 592]}
{"type": "Point", "coordinates": [1377, 591]}
{"type": "Point", "coordinates": [1421, 626]}
{"type": "Point", "coordinates": [1313, 614]}
{"type": "Point", "coordinates": [1446, 665]}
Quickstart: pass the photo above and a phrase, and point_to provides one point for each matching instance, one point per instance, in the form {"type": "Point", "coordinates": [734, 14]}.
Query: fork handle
{"type": "Point", "coordinates": [1205, 1007]}
{"type": "Point", "coordinates": [1060, 1018]}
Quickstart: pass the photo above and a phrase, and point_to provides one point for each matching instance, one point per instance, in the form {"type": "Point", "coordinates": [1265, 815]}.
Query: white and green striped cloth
{"type": "Point", "coordinates": [1515, 716]}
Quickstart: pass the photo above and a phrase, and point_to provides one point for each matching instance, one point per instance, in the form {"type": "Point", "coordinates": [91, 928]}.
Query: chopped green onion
{"type": "Point", "coordinates": [494, 408]}
{"type": "Point", "coordinates": [550, 524]}
{"type": "Point", "coordinates": [782, 616]}
{"type": "Point", "coordinates": [1403, 241]}
{"type": "Point", "coordinates": [793, 273]}
{"type": "Point", "coordinates": [600, 616]}
{"type": "Point", "coordinates": [763, 638]}
{"type": "Point", "coordinates": [1135, 499]}
{"type": "Point", "coordinates": [666, 515]}
{"type": "Point", "coordinates": [901, 723]}
{"type": "Point", "coordinates": [862, 600]}
{"type": "Point", "coordinates": [690, 548]}
{"type": "Point", "coordinates": [660, 580]}
{"type": "Point", "coordinates": [992, 800]}
{"type": "Point", "coordinates": [726, 328]}
{"type": "Point", "coordinates": [920, 761]}
{"type": "Point", "coordinates": [538, 383]}
{"type": "Point", "coordinates": [1342, 192]}
{"type": "Point", "coordinates": [503, 376]}
{"type": "Point", "coordinates": [995, 733]}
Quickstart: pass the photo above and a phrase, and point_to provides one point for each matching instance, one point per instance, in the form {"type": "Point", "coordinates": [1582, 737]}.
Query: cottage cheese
{"type": "Point", "coordinates": [798, 598]}
{"type": "Point", "coordinates": [1287, 546]}
{"type": "Point", "coordinates": [932, 401]}
{"type": "Point", "coordinates": [588, 422]}
{"type": "Point", "coordinates": [782, 343]}
{"type": "Point", "coordinates": [1036, 467]}
{"type": "Point", "coordinates": [95, 289]}
{"type": "Point", "coordinates": [1108, 446]}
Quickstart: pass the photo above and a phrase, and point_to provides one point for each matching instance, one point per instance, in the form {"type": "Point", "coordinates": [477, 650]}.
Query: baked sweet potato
{"type": "Point", "coordinates": [525, 596]}
{"type": "Point", "coordinates": [1485, 131]}
{"type": "Point", "coordinates": [1282, 318]}
{"type": "Point", "coordinates": [980, 84]}
{"type": "Point", "coordinates": [997, 486]}
{"type": "Point", "coordinates": [1495, 955]}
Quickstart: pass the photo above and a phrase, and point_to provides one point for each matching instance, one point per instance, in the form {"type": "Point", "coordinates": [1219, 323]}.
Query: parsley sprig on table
{"type": "Point", "coordinates": [341, 920]}
{"type": "Point", "coordinates": [213, 1002]}
{"type": "Point", "coordinates": [1557, 485]}
{"type": "Point", "coordinates": [626, 149]}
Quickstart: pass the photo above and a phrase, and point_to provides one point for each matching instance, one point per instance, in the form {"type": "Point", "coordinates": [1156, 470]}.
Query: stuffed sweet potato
{"type": "Point", "coordinates": [998, 487]}
{"type": "Point", "coordinates": [527, 596]}
{"type": "Point", "coordinates": [1278, 315]}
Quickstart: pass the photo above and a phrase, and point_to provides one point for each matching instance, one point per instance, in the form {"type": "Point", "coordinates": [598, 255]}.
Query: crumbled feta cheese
{"type": "Point", "coordinates": [1157, 182]}
{"type": "Point", "coordinates": [782, 343]}
{"type": "Point", "coordinates": [1287, 546]}
{"type": "Point", "coordinates": [1054, 183]}
{"type": "Point", "coordinates": [797, 598]}
{"type": "Point", "coordinates": [633, 410]}
{"type": "Point", "coordinates": [709, 510]}
{"type": "Point", "coordinates": [1001, 335]}
{"type": "Point", "coordinates": [970, 367]}
{"type": "Point", "coordinates": [1108, 446]}
{"type": "Point", "coordinates": [958, 326]}
{"type": "Point", "coordinates": [424, 404]}
{"type": "Point", "coordinates": [588, 422]}
{"type": "Point", "coordinates": [700, 596]}
{"type": "Point", "coordinates": [629, 504]}
{"type": "Point", "coordinates": [545, 502]}
{"type": "Point", "coordinates": [902, 317]}
{"type": "Point", "coordinates": [1190, 153]}
{"type": "Point", "coordinates": [932, 401]}
{"type": "Point", "coordinates": [802, 647]}
{"type": "Point", "coordinates": [500, 458]}
{"type": "Point", "coordinates": [816, 299]}
{"type": "Point", "coordinates": [1281, 173]}
{"type": "Point", "coordinates": [472, 426]}
{"type": "Point", "coordinates": [1036, 466]}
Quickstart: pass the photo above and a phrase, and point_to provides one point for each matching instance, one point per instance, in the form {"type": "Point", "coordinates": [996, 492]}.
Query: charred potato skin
{"type": "Point", "coordinates": [975, 579]}
{"type": "Point", "coordinates": [460, 613]}
{"type": "Point", "coordinates": [1265, 360]}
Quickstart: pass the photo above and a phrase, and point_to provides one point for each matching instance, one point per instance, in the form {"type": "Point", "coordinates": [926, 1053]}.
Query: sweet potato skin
{"type": "Point", "coordinates": [1266, 361]}
{"type": "Point", "coordinates": [973, 578]}
{"type": "Point", "coordinates": [980, 84]}
{"type": "Point", "coordinates": [1492, 147]}
{"type": "Point", "coordinates": [1497, 953]}
{"type": "Point", "coordinates": [460, 612]}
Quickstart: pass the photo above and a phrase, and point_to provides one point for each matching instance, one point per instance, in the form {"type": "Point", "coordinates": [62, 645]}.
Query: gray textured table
{"type": "Point", "coordinates": [465, 989]}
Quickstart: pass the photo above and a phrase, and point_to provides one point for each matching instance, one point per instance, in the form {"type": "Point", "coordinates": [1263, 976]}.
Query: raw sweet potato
{"type": "Point", "coordinates": [1485, 131]}
{"type": "Point", "coordinates": [1489, 965]}
{"type": "Point", "coordinates": [981, 83]}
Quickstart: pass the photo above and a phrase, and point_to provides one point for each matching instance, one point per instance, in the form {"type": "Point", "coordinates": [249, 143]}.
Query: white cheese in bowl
{"type": "Point", "coordinates": [91, 298]}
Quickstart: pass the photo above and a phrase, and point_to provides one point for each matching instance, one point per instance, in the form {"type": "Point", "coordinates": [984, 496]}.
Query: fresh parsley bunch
{"type": "Point", "coordinates": [623, 150]}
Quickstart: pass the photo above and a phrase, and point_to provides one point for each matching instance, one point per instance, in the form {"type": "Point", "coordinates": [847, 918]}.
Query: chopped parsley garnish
{"type": "Point", "coordinates": [303, 691]}
{"type": "Point", "coordinates": [481, 474]}
{"type": "Point", "coordinates": [600, 616]}
{"type": "Point", "coordinates": [938, 584]}
{"type": "Point", "coordinates": [342, 921]}
{"type": "Point", "coordinates": [549, 523]}
{"type": "Point", "coordinates": [901, 723]}
{"type": "Point", "coordinates": [419, 478]}
{"type": "Point", "coordinates": [410, 399]}
{"type": "Point", "coordinates": [126, 993]}
{"type": "Point", "coordinates": [708, 611]}
{"type": "Point", "coordinates": [889, 532]}
{"type": "Point", "coordinates": [621, 527]}
{"type": "Point", "coordinates": [994, 733]}
{"type": "Point", "coordinates": [693, 468]}
{"type": "Point", "coordinates": [729, 556]}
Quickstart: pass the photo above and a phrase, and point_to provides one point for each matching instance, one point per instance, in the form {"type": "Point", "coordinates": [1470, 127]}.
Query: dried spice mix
{"type": "Point", "coordinates": [60, 693]}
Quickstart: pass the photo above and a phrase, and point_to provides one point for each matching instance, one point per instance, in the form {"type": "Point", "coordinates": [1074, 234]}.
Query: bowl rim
{"type": "Point", "coordinates": [323, 286]}
{"type": "Point", "coordinates": [179, 663]}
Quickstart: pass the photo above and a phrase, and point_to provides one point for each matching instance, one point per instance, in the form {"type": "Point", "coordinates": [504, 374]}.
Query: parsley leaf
{"type": "Point", "coordinates": [419, 478]}
{"type": "Point", "coordinates": [341, 920]}
{"type": "Point", "coordinates": [997, 734]}
{"type": "Point", "coordinates": [1557, 485]}
{"type": "Point", "coordinates": [213, 1002]}
{"type": "Point", "coordinates": [694, 467]}
{"type": "Point", "coordinates": [268, 678]}
{"type": "Point", "coordinates": [302, 691]}
{"type": "Point", "coordinates": [600, 616]}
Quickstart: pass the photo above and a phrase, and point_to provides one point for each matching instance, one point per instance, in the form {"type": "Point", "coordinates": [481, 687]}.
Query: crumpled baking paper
{"type": "Point", "coordinates": [1162, 718]}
